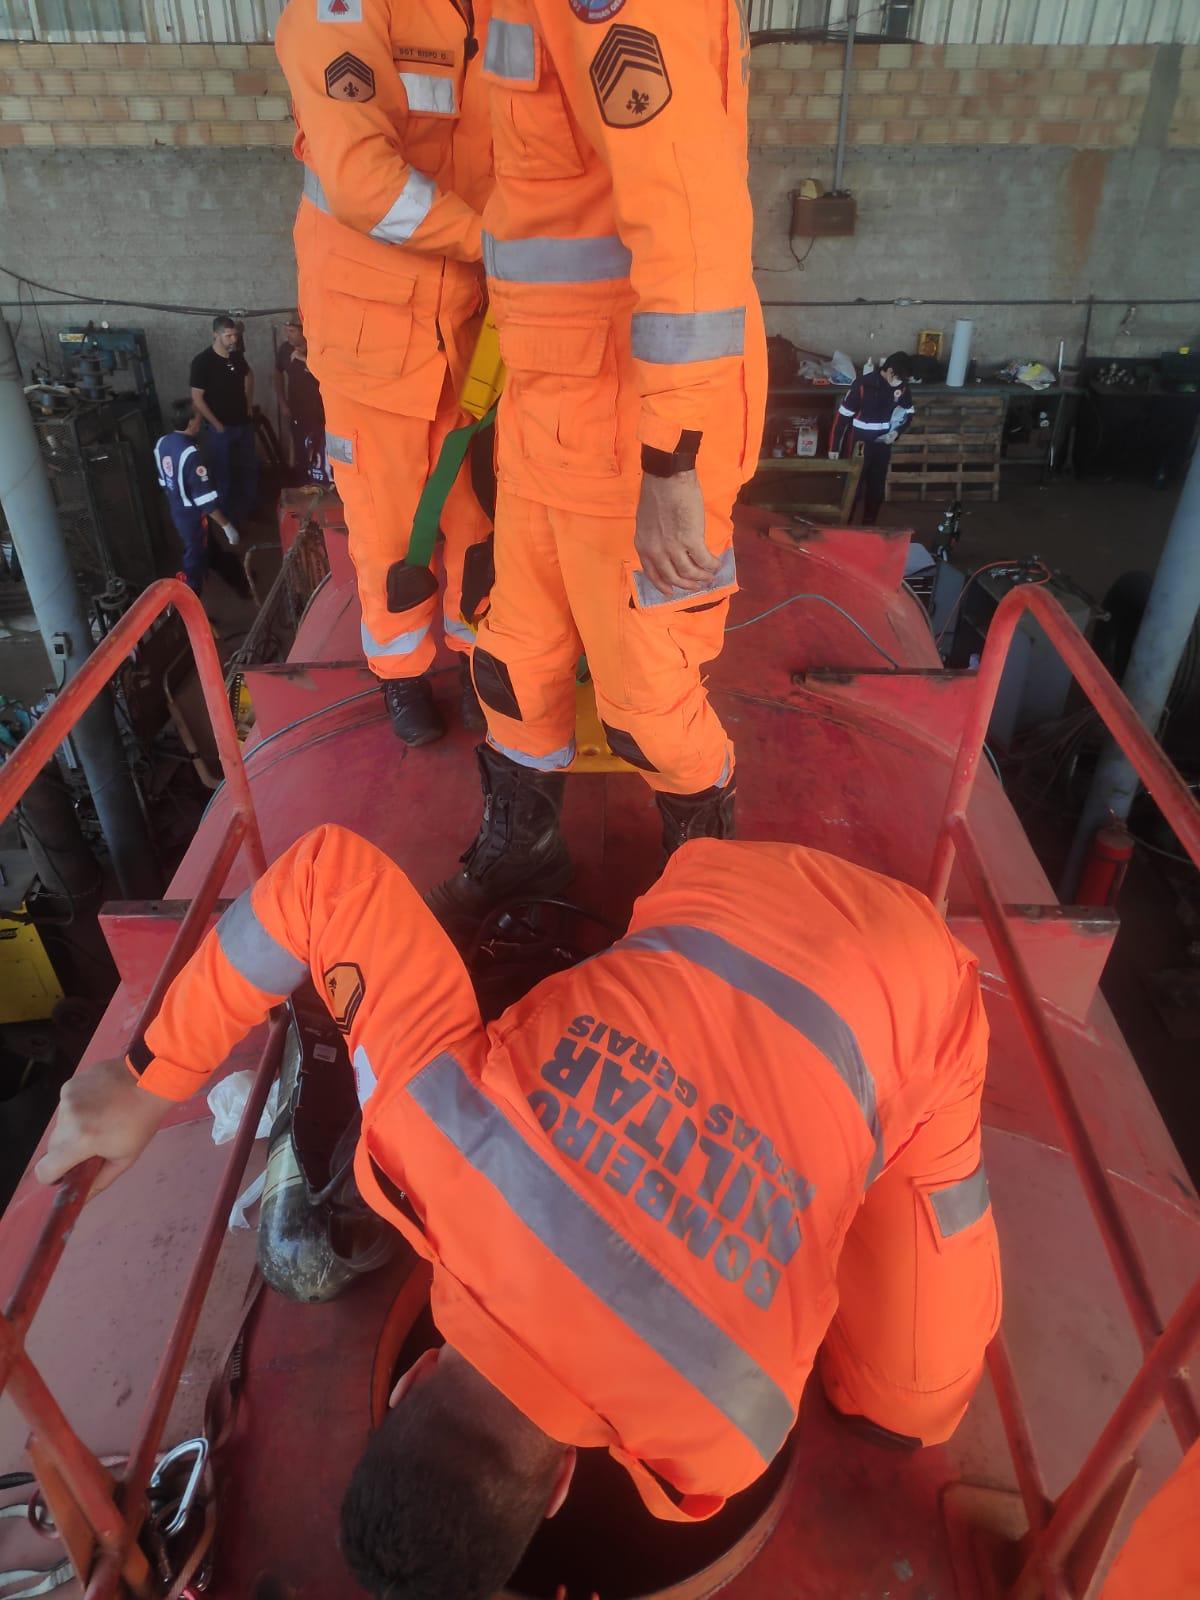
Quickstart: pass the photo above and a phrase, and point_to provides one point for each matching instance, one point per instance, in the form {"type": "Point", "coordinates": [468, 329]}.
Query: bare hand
{"type": "Point", "coordinates": [670, 533]}
{"type": "Point", "coordinates": [102, 1112]}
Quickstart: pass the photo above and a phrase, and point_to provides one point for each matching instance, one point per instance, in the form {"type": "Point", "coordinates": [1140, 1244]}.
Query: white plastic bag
{"type": "Point", "coordinates": [841, 369]}
{"type": "Point", "coordinates": [227, 1101]}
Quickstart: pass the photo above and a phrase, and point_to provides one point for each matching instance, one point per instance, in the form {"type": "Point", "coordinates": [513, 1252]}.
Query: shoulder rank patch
{"type": "Point", "coordinates": [629, 76]}
{"type": "Point", "coordinates": [345, 988]}
{"type": "Point", "coordinates": [348, 78]}
{"type": "Point", "coordinates": [339, 10]}
{"type": "Point", "coordinates": [595, 10]}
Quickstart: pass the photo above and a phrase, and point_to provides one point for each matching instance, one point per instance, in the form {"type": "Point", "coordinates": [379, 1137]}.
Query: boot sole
{"type": "Point", "coordinates": [431, 737]}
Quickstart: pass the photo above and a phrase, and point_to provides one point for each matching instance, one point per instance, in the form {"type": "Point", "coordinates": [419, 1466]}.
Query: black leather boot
{"type": "Point", "coordinates": [707, 815]}
{"type": "Point", "coordinates": [415, 718]}
{"type": "Point", "coordinates": [518, 849]}
{"type": "Point", "coordinates": [473, 718]}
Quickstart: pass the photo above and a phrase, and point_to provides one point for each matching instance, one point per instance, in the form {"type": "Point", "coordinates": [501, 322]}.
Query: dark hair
{"type": "Point", "coordinates": [899, 364]}
{"type": "Point", "coordinates": [182, 412]}
{"type": "Point", "coordinates": [223, 322]}
{"type": "Point", "coordinates": [444, 1502]}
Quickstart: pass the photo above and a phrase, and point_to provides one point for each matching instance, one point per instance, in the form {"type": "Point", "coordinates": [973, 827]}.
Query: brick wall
{"type": "Point", "coordinates": [1096, 97]}
{"type": "Point", "coordinates": [1091, 97]}
{"type": "Point", "coordinates": [140, 95]}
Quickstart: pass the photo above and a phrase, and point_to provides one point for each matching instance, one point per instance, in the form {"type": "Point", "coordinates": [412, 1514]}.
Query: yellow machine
{"type": "Point", "coordinates": [29, 988]}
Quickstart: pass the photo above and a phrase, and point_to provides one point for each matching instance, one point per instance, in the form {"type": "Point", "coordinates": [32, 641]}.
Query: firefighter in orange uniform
{"type": "Point", "coordinates": [1161, 1558]}
{"type": "Point", "coordinates": [617, 246]}
{"type": "Point", "coordinates": [743, 1139]}
{"type": "Point", "coordinates": [392, 128]}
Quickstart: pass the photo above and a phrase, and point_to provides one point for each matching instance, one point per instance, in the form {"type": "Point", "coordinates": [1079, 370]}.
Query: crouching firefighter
{"type": "Point", "coordinates": [742, 1141]}
{"type": "Point", "coordinates": [392, 129]}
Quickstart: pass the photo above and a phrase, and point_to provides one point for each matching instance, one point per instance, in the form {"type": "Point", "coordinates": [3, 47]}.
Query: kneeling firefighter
{"type": "Point", "coordinates": [392, 128]}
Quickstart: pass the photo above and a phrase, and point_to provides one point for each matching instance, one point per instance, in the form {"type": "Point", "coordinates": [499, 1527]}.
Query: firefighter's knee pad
{"type": "Point", "coordinates": [409, 587]}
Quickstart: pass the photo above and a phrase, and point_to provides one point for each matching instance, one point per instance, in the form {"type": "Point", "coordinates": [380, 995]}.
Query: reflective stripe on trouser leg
{"type": "Point", "coordinates": [529, 697]}
{"type": "Point", "coordinates": [380, 470]}
{"type": "Point", "coordinates": [645, 665]}
{"type": "Point", "coordinates": [917, 1307]}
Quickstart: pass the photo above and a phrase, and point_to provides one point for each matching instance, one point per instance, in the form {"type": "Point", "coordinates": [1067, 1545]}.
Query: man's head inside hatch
{"type": "Point", "coordinates": [451, 1488]}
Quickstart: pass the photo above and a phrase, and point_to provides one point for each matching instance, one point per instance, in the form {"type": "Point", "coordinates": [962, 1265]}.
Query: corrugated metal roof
{"type": "Point", "coordinates": [932, 21]}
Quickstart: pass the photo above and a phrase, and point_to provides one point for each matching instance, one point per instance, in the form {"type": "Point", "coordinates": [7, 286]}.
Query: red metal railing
{"type": "Point", "coordinates": [115, 1513]}
{"type": "Point", "coordinates": [1161, 1379]}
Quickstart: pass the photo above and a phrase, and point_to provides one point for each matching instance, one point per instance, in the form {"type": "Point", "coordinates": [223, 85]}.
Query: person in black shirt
{"type": "Point", "coordinates": [299, 397]}
{"type": "Point", "coordinates": [223, 393]}
{"type": "Point", "coordinates": [874, 413]}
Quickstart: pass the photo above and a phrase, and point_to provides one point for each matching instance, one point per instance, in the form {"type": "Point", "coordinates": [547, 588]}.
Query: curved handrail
{"type": "Point", "coordinates": [116, 1518]}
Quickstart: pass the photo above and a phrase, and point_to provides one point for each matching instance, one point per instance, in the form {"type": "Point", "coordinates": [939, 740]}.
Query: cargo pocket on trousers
{"type": "Point", "coordinates": [562, 382]}
{"type": "Point", "coordinates": [664, 636]}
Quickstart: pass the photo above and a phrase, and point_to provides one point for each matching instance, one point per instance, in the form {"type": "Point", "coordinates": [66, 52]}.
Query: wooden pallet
{"type": "Point", "coordinates": [951, 449]}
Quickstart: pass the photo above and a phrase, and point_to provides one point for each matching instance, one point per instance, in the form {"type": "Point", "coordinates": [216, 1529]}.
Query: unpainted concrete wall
{"type": "Point", "coordinates": [213, 228]}
{"type": "Point", "coordinates": [1035, 223]}
{"type": "Point", "coordinates": [175, 227]}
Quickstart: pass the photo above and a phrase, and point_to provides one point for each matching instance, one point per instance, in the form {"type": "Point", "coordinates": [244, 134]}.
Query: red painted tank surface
{"type": "Point", "coordinates": [836, 750]}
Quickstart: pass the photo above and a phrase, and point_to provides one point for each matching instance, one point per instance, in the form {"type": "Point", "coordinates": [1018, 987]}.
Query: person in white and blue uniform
{"type": "Point", "coordinates": [875, 412]}
{"type": "Point", "coordinates": [191, 496]}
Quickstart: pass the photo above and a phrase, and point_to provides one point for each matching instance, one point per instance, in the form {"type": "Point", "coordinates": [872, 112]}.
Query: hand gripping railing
{"type": "Point", "coordinates": [1161, 1378]}
{"type": "Point", "coordinates": [114, 1513]}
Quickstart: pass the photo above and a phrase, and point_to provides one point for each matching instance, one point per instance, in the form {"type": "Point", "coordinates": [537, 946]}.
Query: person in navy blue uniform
{"type": "Point", "coordinates": [874, 413]}
{"type": "Point", "coordinates": [190, 492]}
{"type": "Point", "coordinates": [223, 393]}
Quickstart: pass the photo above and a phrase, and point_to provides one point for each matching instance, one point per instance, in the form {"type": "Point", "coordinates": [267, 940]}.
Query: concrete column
{"type": "Point", "coordinates": [1168, 621]}
{"type": "Point", "coordinates": [33, 521]}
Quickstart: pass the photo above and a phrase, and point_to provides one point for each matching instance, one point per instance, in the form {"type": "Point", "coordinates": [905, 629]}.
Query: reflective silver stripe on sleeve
{"type": "Point", "coordinates": [792, 1002]}
{"type": "Point", "coordinates": [251, 951]}
{"type": "Point", "coordinates": [205, 499]}
{"type": "Point", "coordinates": [605, 1262]}
{"type": "Point", "coordinates": [554, 762]}
{"type": "Point", "coordinates": [556, 260]}
{"type": "Point", "coordinates": [873, 427]}
{"type": "Point", "coordinates": [844, 412]}
{"type": "Point", "coordinates": [426, 92]}
{"type": "Point", "coordinates": [402, 645]}
{"type": "Point", "coordinates": [960, 1204]}
{"type": "Point", "coordinates": [179, 477]}
{"type": "Point", "coordinates": [339, 449]}
{"type": "Point", "coordinates": [407, 211]}
{"type": "Point", "coordinates": [510, 51]}
{"type": "Point", "coordinates": [649, 596]}
{"type": "Point", "coordinates": [664, 336]}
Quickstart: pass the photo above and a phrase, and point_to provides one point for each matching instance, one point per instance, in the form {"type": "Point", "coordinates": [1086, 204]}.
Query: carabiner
{"type": "Point", "coordinates": [197, 1447]}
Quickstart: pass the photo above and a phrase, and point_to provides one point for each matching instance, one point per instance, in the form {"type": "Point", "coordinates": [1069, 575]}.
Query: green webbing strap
{"type": "Point", "coordinates": [437, 486]}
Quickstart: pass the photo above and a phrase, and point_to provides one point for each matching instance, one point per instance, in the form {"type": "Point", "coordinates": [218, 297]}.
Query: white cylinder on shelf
{"type": "Point", "coordinates": [960, 354]}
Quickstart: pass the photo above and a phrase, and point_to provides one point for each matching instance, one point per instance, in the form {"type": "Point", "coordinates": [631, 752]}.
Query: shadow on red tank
{"type": "Point", "coordinates": [604, 1540]}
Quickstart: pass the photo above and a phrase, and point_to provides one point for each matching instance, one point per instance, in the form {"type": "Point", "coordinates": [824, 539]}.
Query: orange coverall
{"type": "Point", "coordinates": [1161, 1558]}
{"type": "Point", "coordinates": [617, 246]}
{"type": "Point", "coordinates": [392, 128]}
{"type": "Point", "coordinates": [749, 1130]}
